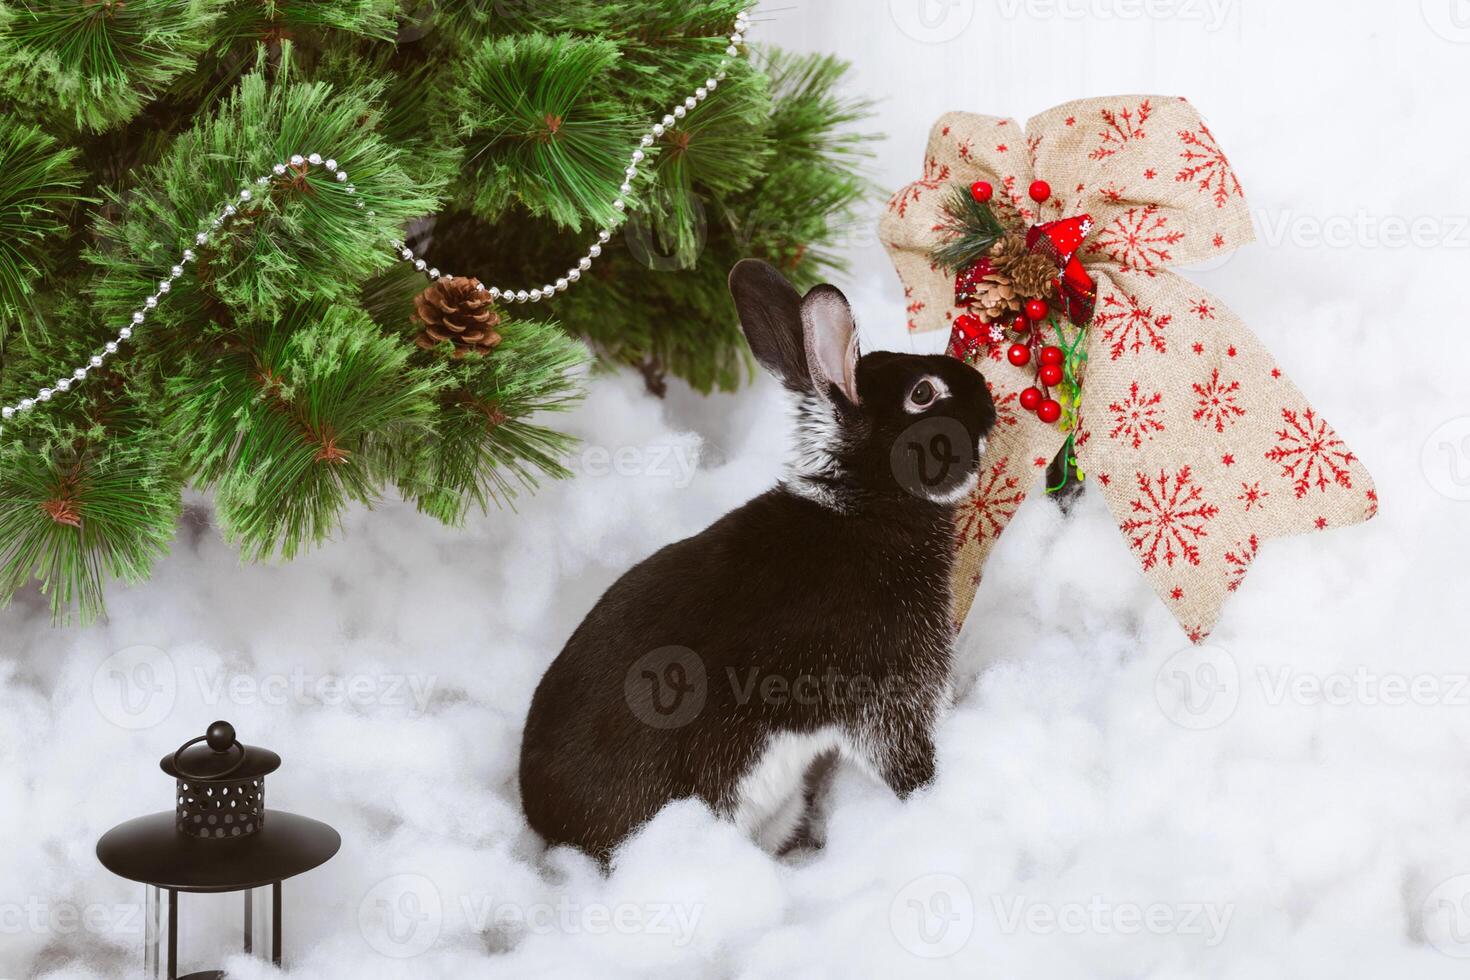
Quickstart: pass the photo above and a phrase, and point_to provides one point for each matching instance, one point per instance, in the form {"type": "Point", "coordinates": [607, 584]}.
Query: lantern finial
{"type": "Point", "coordinates": [220, 736]}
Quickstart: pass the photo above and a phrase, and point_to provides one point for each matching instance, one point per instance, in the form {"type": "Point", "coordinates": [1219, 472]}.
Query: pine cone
{"type": "Point", "coordinates": [1028, 273]}
{"type": "Point", "coordinates": [456, 309]}
{"type": "Point", "coordinates": [1007, 249]}
{"type": "Point", "coordinates": [996, 299]}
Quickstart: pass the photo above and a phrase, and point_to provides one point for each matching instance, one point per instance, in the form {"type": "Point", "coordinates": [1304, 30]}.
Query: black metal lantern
{"type": "Point", "coordinates": [219, 838]}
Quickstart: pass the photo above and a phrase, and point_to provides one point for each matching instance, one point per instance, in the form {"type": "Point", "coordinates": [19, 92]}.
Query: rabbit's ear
{"type": "Point", "coordinates": [770, 315]}
{"type": "Point", "coordinates": [831, 342]}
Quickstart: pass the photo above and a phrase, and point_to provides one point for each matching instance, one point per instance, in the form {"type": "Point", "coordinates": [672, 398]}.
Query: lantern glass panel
{"type": "Point", "coordinates": [210, 926]}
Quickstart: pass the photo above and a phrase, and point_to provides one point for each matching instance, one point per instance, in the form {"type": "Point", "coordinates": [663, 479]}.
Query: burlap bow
{"type": "Point", "coordinates": [1200, 444]}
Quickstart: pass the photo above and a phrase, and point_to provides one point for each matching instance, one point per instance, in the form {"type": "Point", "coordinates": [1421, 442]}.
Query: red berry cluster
{"type": "Point", "coordinates": [1050, 357]}
{"type": "Point", "coordinates": [982, 191]}
{"type": "Point", "coordinates": [1033, 399]}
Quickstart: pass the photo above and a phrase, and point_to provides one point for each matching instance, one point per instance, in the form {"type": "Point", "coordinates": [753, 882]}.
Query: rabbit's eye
{"type": "Point", "coordinates": [924, 394]}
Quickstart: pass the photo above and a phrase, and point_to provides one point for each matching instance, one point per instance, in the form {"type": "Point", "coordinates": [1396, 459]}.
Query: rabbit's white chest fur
{"type": "Point", "coordinates": [770, 799]}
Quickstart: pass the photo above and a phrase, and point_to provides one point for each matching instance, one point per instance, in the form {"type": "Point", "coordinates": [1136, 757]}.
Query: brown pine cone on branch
{"type": "Point", "coordinates": [995, 298]}
{"type": "Point", "coordinates": [456, 310]}
{"type": "Point", "coordinates": [1028, 273]}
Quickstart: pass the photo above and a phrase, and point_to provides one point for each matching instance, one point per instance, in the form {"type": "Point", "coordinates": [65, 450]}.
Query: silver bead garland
{"type": "Point", "coordinates": [302, 163]}
{"type": "Point", "coordinates": [619, 203]}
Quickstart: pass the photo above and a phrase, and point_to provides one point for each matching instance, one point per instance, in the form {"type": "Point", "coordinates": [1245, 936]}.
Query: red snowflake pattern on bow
{"type": "Point", "coordinates": [1121, 126]}
{"type": "Point", "coordinates": [1128, 326]}
{"type": "Point", "coordinates": [1218, 402]}
{"type": "Point", "coordinates": [1206, 166]}
{"type": "Point", "coordinates": [1252, 495]}
{"type": "Point", "coordinates": [993, 504]}
{"type": "Point", "coordinates": [1169, 517]}
{"type": "Point", "coordinates": [1238, 561]}
{"type": "Point", "coordinates": [935, 174]}
{"type": "Point", "coordinates": [1137, 417]}
{"type": "Point", "coordinates": [1006, 404]}
{"type": "Point", "coordinates": [1310, 454]}
{"type": "Point", "coordinates": [1139, 239]}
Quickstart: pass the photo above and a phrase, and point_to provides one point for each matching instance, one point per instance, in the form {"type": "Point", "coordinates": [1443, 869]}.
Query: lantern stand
{"type": "Point", "coordinates": [218, 838]}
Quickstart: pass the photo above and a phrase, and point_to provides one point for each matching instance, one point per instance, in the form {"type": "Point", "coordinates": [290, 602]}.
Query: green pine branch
{"type": "Point", "coordinates": [41, 185]}
{"type": "Point", "coordinates": [540, 131]}
{"type": "Point", "coordinates": [284, 419]}
{"type": "Point", "coordinates": [89, 497]}
{"type": "Point", "coordinates": [489, 442]}
{"type": "Point", "coordinates": [720, 149]}
{"type": "Point", "coordinates": [275, 21]}
{"type": "Point", "coordinates": [298, 235]}
{"type": "Point", "coordinates": [100, 62]}
{"type": "Point", "coordinates": [968, 230]}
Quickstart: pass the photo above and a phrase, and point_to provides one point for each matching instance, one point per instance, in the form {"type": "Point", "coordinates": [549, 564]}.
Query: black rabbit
{"type": "Point", "coordinates": [809, 624]}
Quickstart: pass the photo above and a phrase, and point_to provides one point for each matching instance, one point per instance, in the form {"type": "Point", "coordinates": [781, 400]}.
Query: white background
{"type": "Point", "coordinates": [1291, 802]}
